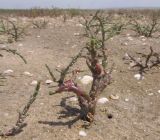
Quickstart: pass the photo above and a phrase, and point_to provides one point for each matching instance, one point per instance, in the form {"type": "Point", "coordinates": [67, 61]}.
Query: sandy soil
{"type": "Point", "coordinates": [136, 114]}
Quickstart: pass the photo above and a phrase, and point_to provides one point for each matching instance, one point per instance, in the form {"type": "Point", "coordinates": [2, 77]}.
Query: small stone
{"type": "Point", "coordinates": [138, 76]}
{"type": "Point", "coordinates": [9, 71]}
{"type": "Point", "coordinates": [6, 114]}
{"type": "Point", "coordinates": [144, 44]}
{"type": "Point", "coordinates": [102, 100]}
{"type": "Point", "coordinates": [125, 43]}
{"type": "Point", "coordinates": [82, 133]}
{"type": "Point", "coordinates": [49, 81]}
{"type": "Point", "coordinates": [114, 97]}
{"type": "Point", "coordinates": [34, 82]}
{"type": "Point", "coordinates": [38, 36]}
{"type": "Point", "coordinates": [128, 34]}
{"type": "Point", "coordinates": [86, 79]}
{"type": "Point", "coordinates": [41, 103]}
{"type": "Point", "coordinates": [79, 25]}
{"type": "Point", "coordinates": [158, 91]}
{"type": "Point", "coordinates": [143, 39]}
{"type": "Point", "coordinates": [28, 73]}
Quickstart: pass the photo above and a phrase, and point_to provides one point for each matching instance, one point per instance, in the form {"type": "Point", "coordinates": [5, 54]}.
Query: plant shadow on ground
{"type": "Point", "coordinates": [67, 112]}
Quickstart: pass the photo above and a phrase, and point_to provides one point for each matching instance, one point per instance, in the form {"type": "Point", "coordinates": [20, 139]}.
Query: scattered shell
{"type": "Point", "coordinates": [102, 100]}
{"type": "Point", "coordinates": [79, 25]}
{"type": "Point", "coordinates": [128, 34]}
{"type": "Point", "coordinates": [73, 99]}
{"type": "Point", "coordinates": [114, 97]}
{"type": "Point", "coordinates": [34, 82]}
{"type": "Point", "coordinates": [126, 56]}
{"type": "Point", "coordinates": [144, 44]}
{"type": "Point", "coordinates": [138, 76]}
{"type": "Point", "coordinates": [49, 81]}
{"type": "Point", "coordinates": [126, 100]}
{"type": "Point", "coordinates": [158, 91]}
{"type": "Point", "coordinates": [86, 79]}
{"type": "Point", "coordinates": [143, 39]}
{"type": "Point", "coordinates": [76, 34]}
{"type": "Point", "coordinates": [38, 36]}
{"type": "Point", "coordinates": [28, 73]}
{"type": "Point", "coordinates": [74, 46]}
{"type": "Point", "coordinates": [125, 43]}
{"type": "Point", "coordinates": [150, 94]}
{"type": "Point", "coordinates": [20, 45]}
{"type": "Point", "coordinates": [8, 71]}
{"type": "Point", "coordinates": [82, 133]}
{"type": "Point", "coordinates": [130, 38]}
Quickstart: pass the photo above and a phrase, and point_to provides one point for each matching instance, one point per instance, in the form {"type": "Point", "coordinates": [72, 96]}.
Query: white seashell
{"type": "Point", "coordinates": [8, 71]}
{"type": "Point", "coordinates": [150, 94]}
{"type": "Point", "coordinates": [126, 99]}
{"type": "Point", "coordinates": [125, 43]}
{"type": "Point", "coordinates": [82, 133]}
{"type": "Point", "coordinates": [158, 91]}
{"type": "Point", "coordinates": [86, 79]}
{"type": "Point", "coordinates": [138, 76]}
{"type": "Point", "coordinates": [73, 99]}
{"type": "Point", "coordinates": [79, 25]}
{"type": "Point", "coordinates": [49, 81]}
{"type": "Point", "coordinates": [114, 97]}
{"type": "Point", "coordinates": [28, 73]}
{"type": "Point", "coordinates": [130, 38]}
{"type": "Point", "coordinates": [143, 39]}
{"type": "Point", "coordinates": [102, 100]}
{"type": "Point", "coordinates": [38, 36]}
{"type": "Point", "coordinates": [20, 45]}
{"type": "Point", "coordinates": [34, 82]}
{"type": "Point", "coordinates": [74, 46]}
{"type": "Point", "coordinates": [76, 34]}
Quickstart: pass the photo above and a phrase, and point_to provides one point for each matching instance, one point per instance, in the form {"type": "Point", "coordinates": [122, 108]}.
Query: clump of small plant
{"type": "Point", "coordinates": [147, 27]}
{"type": "Point", "coordinates": [94, 53]}
{"type": "Point", "coordinates": [20, 123]}
{"type": "Point", "coordinates": [145, 62]}
{"type": "Point", "coordinates": [12, 29]}
{"type": "Point", "coordinates": [40, 24]}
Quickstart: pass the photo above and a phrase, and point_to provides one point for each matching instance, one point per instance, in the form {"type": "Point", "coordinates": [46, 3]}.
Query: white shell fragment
{"type": "Point", "coordinates": [34, 82]}
{"type": "Point", "coordinates": [49, 81]}
{"type": "Point", "coordinates": [20, 45]}
{"type": "Point", "coordinates": [102, 100]}
{"type": "Point", "coordinates": [114, 97]}
{"type": "Point", "coordinates": [82, 133]}
{"type": "Point", "coordinates": [86, 79]}
{"type": "Point", "coordinates": [73, 99]}
{"type": "Point", "coordinates": [76, 34]}
{"type": "Point", "coordinates": [150, 94]}
{"type": "Point", "coordinates": [158, 91]}
{"type": "Point", "coordinates": [126, 100]}
{"type": "Point", "coordinates": [28, 73]}
{"type": "Point", "coordinates": [130, 38]}
{"type": "Point", "coordinates": [138, 76]}
{"type": "Point", "coordinates": [8, 71]}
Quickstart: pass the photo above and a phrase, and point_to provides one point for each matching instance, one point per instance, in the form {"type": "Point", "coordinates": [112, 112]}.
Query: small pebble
{"type": "Point", "coordinates": [74, 46]}
{"type": "Point", "coordinates": [38, 36]}
{"type": "Point", "coordinates": [82, 133]}
{"type": "Point", "coordinates": [130, 38]}
{"type": "Point", "coordinates": [114, 97]}
{"type": "Point", "coordinates": [34, 82]}
{"type": "Point", "coordinates": [102, 100]}
{"type": "Point", "coordinates": [158, 91]}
